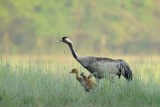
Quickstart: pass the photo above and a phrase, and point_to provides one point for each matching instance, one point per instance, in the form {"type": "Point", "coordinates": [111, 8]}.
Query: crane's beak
{"type": "Point", "coordinates": [58, 41]}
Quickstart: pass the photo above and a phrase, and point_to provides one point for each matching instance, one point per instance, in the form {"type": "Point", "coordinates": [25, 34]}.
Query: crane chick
{"type": "Point", "coordinates": [90, 84]}
{"type": "Point", "coordinates": [85, 81]}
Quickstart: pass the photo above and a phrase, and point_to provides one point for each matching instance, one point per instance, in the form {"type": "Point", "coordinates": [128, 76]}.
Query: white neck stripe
{"type": "Point", "coordinates": [67, 39]}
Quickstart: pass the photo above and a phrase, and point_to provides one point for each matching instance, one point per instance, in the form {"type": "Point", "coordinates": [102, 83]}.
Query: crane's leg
{"type": "Point", "coordinates": [111, 79]}
{"type": "Point", "coordinates": [97, 81]}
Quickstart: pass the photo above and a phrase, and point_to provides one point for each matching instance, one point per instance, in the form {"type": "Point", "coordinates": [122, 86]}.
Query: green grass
{"type": "Point", "coordinates": [38, 84]}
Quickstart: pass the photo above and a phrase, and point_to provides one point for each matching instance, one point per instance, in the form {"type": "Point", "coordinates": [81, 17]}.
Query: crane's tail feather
{"type": "Point", "coordinates": [125, 70]}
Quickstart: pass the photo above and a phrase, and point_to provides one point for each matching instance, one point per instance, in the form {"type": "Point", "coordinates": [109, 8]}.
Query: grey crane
{"type": "Point", "coordinates": [101, 67]}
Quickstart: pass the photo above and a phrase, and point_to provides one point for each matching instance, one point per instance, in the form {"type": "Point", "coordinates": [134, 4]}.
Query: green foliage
{"type": "Point", "coordinates": [123, 23]}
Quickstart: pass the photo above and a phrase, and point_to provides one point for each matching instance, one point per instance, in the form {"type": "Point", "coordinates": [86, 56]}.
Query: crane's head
{"type": "Point", "coordinates": [74, 70]}
{"type": "Point", "coordinates": [66, 40]}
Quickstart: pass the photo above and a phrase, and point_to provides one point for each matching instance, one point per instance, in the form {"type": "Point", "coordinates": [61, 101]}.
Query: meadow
{"type": "Point", "coordinates": [37, 82]}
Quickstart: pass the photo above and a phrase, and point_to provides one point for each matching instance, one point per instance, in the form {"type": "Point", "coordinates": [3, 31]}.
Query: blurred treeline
{"type": "Point", "coordinates": [112, 26]}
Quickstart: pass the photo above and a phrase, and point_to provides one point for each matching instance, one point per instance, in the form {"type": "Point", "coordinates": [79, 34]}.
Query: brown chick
{"type": "Point", "coordinates": [90, 84]}
{"type": "Point", "coordinates": [86, 82]}
{"type": "Point", "coordinates": [75, 71]}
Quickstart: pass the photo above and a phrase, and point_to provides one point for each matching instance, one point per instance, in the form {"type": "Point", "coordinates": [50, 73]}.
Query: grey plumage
{"type": "Point", "coordinates": [125, 70]}
{"type": "Point", "coordinates": [101, 67]}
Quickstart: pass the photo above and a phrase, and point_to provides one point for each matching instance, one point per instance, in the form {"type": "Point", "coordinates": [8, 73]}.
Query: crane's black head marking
{"type": "Point", "coordinates": [66, 40]}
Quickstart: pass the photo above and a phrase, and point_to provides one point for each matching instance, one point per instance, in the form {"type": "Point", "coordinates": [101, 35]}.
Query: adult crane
{"type": "Point", "coordinates": [100, 67]}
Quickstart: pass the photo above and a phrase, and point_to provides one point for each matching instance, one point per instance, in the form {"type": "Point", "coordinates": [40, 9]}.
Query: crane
{"type": "Point", "coordinates": [101, 67]}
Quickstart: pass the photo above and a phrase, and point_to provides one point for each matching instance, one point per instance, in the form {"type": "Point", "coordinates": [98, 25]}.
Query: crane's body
{"type": "Point", "coordinates": [104, 67]}
{"type": "Point", "coordinates": [101, 67]}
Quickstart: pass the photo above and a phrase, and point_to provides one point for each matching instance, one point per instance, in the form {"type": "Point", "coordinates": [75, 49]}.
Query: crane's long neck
{"type": "Point", "coordinates": [75, 55]}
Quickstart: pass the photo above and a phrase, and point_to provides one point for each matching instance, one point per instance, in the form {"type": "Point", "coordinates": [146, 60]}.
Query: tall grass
{"type": "Point", "coordinates": [36, 84]}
